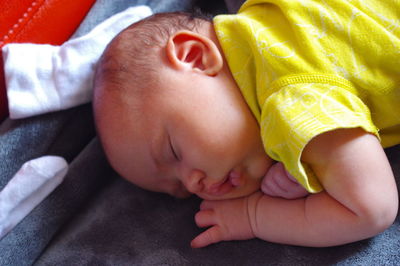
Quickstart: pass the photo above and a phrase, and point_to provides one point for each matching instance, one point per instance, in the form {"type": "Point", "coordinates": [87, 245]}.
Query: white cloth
{"type": "Point", "coordinates": [30, 185]}
{"type": "Point", "coordinates": [45, 78]}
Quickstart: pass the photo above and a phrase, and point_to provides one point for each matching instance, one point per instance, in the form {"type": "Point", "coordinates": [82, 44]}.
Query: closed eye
{"type": "Point", "coordinates": [174, 153]}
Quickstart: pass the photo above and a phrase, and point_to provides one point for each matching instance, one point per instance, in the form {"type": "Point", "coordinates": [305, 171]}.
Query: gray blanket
{"type": "Point", "coordinates": [96, 218]}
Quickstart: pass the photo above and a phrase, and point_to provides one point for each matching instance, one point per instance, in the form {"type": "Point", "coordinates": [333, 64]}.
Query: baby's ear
{"type": "Point", "coordinates": [192, 51]}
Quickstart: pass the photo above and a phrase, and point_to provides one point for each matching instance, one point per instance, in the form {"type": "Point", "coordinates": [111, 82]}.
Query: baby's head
{"type": "Point", "coordinates": [169, 114]}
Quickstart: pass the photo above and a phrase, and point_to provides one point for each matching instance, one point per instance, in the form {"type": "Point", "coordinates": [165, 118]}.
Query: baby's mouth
{"type": "Point", "coordinates": [232, 180]}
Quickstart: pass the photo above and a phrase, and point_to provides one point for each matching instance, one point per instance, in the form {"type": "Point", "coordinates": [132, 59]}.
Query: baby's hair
{"type": "Point", "coordinates": [129, 60]}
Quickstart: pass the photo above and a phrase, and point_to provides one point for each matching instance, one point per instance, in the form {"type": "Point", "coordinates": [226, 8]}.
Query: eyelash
{"type": "Point", "coordinates": [173, 151]}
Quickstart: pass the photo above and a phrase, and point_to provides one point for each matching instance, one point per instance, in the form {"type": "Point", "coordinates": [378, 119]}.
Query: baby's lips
{"type": "Point", "coordinates": [235, 178]}
{"type": "Point", "coordinates": [215, 188]}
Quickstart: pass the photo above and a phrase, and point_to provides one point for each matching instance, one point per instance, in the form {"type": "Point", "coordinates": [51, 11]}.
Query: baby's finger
{"type": "Point", "coordinates": [206, 205]}
{"type": "Point", "coordinates": [285, 183]}
{"type": "Point", "coordinates": [205, 218]}
{"type": "Point", "coordinates": [210, 236]}
{"type": "Point", "coordinates": [289, 187]}
{"type": "Point", "coordinates": [267, 190]}
{"type": "Point", "coordinates": [270, 188]}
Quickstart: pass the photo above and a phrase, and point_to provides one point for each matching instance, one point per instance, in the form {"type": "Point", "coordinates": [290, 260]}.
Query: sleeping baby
{"type": "Point", "coordinates": [276, 119]}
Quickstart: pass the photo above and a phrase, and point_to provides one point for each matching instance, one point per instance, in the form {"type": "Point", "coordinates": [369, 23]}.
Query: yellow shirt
{"type": "Point", "coordinates": [309, 66]}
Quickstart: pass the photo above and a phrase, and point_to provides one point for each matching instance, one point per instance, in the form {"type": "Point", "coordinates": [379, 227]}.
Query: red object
{"type": "Point", "coordinates": [37, 21]}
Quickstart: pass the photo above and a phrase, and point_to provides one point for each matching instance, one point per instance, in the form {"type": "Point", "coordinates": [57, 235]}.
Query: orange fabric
{"type": "Point", "coordinates": [37, 21]}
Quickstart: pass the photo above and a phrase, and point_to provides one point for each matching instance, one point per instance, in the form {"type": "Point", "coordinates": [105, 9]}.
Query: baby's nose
{"type": "Point", "coordinates": [194, 182]}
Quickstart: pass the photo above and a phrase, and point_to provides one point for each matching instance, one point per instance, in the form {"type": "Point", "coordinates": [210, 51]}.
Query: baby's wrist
{"type": "Point", "coordinates": [252, 202]}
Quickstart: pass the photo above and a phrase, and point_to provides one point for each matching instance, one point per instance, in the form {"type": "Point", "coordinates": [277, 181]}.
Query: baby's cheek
{"type": "Point", "coordinates": [260, 167]}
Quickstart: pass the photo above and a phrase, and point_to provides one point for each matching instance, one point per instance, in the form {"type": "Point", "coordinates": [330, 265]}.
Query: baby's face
{"type": "Point", "coordinates": [193, 137]}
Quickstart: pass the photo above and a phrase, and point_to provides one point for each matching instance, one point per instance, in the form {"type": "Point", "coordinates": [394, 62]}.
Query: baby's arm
{"type": "Point", "coordinates": [360, 199]}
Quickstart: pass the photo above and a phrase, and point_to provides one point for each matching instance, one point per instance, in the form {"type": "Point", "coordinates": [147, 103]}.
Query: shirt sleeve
{"type": "Point", "coordinates": [295, 114]}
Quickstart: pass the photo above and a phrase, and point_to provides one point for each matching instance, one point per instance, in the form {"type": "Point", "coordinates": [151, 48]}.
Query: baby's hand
{"type": "Point", "coordinates": [279, 183]}
{"type": "Point", "coordinates": [227, 219]}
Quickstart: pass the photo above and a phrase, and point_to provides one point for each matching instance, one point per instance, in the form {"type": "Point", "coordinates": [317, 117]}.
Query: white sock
{"type": "Point", "coordinates": [44, 78]}
{"type": "Point", "coordinates": [30, 185]}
